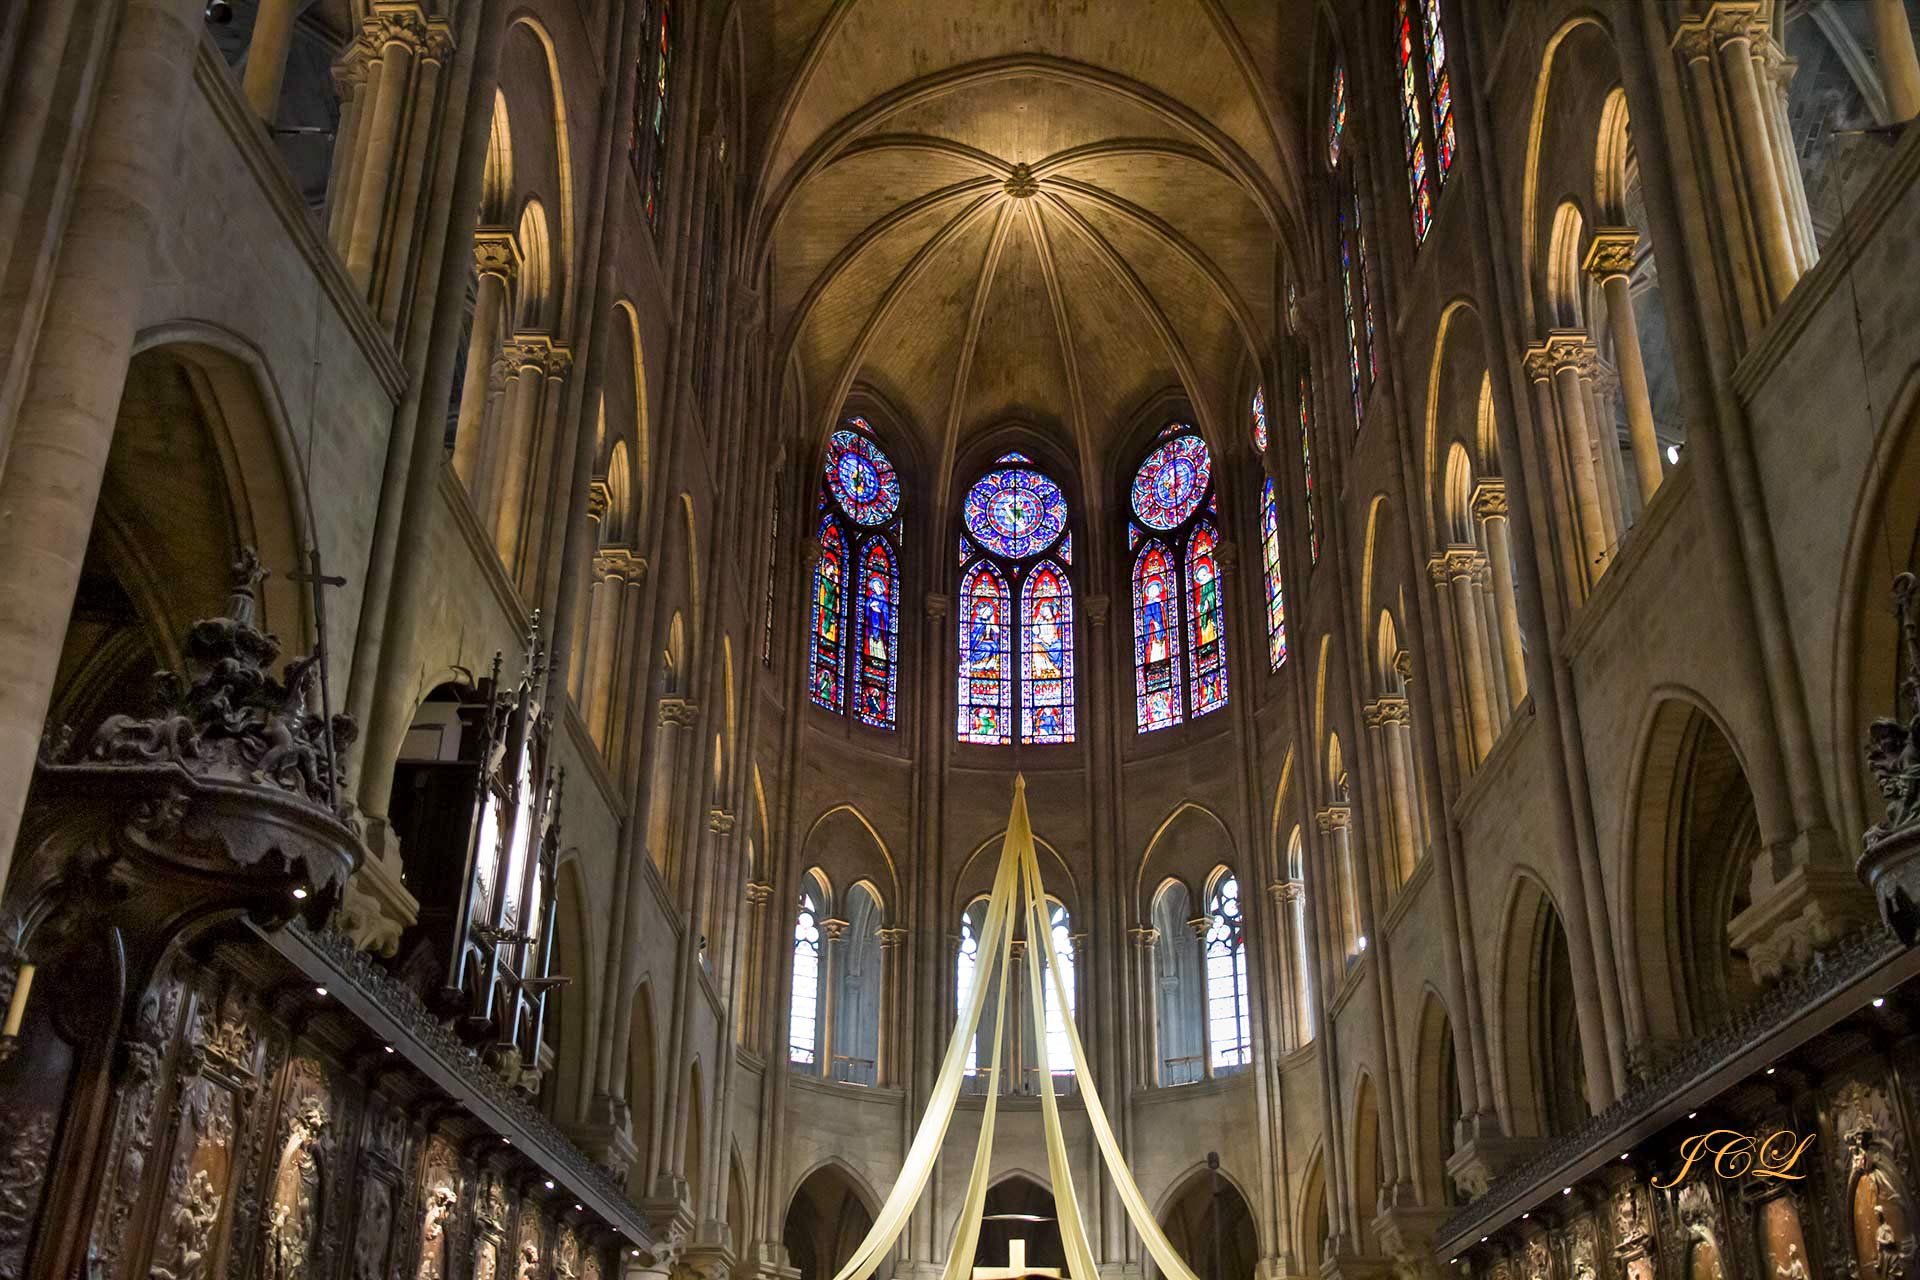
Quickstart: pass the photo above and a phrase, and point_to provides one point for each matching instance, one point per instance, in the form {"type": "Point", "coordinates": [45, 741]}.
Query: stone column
{"type": "Point", "coordinates": [531, 359]}
{"type": "Point", "coordinates": [71, 401]}
{"type": "Point", "coordinates": [1565, 532]}
{"type": "Point", "coordinates": [753, 983]}
{"type": "Point", "coordinates": [267, 55]}
{"type": "Point", "coordinates": [1899, 67]}
{"type": "Point", "coordinates": [1459, 568]}
{"type": "Point", "coordinates": [1570, 353]}
{"type": "Point", "coordinates": [1461, 700]}
{"type": "Point", "coordinates": [1386, 721]}
{"type": "Point", "coordinates": [1144, 938]}
{"type": "Point", "coordinates": [1693, 45]}
{"type": "Point", "coordinates": [496, 260]}
{"type": "Point", "coordinates": [603, 621]}
{"type": "Point", "coordinates": [894, 980]}
{"type": "Point", "coordinates": [436, 46]}
{"type": "Point", "coordinates": [1606, 448]}
{"type": "Point", "coordinates": [1610, 261]}
{"type": "Point", "coordinates": [398, 35]}
{"type": "Point", "coordinates": [1776, 71]}
{"type": "Point", "coordinates": [1490, 508]}
{"type": "Point", "coordinates": [1286, 896]}
{"type": "Point", "coordinates": [1335, 823]}
{"type": "Point", "coordinates": [1485, 616]}
{"type": "Point", "coordinates": [1733, 35]}
{"type": "Point", "coordinates": [350, 82]}
{"type": "Point", "coordinates": [578, 685]}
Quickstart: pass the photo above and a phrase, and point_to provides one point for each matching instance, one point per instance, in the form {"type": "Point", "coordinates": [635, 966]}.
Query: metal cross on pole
{"type": "Point", "coordinates": [318, 581]}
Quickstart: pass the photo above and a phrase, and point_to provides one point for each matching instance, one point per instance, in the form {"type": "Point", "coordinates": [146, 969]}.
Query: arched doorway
{"type": "Point", "coordinates": [826, 1221]}
{"type": "Point", "coordinates": [1020, 1209]}
{"type": "Point", "coordinates": [1209, 1223]}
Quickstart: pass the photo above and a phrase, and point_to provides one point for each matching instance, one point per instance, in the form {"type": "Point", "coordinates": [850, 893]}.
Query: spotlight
{"type": "Point", "coordinates": [219, 12]}
{"type": "Point", "coordinates": [1525, 1216]}
{"type": "Point", "coordinates": [1673, 455]}
{"type": "Point", "coordinates": [1769, 1070]}
{"type": "Point", "coordinates": [549, 1184]}
{"type": "Point", "coordinates": [1879, 1002]}
{"type": "Point", "coordinates": [320, 991]}
{"type": "Point", "coordinates": [299, 895]}
{"type": "Point", "coordinates": [1566, 1191]}
{"type": "Point", "coordinates": [1692, 1114]}
{"type": "Point", "coordinates": [387, 1047]}
{"type": "Point", "coordinates": [1623, 1155]}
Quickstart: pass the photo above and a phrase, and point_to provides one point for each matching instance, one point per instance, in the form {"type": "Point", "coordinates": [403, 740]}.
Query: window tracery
{"type": "Point", "coordinates": [856, 583]}
{"type": "Point", "coordinates": [1178, 594]}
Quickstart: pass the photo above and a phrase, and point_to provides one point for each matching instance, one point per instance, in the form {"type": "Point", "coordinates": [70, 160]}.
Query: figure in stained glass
{"type": "Point", "coordinates": [1337, 116]}
{"type": "Point", "coordinates": [856, 599]}
{"type": "Point", "coordinates": [986, 676]}
{"type": "Point", "coordinates": [1155, 638]}
{"type": "Point", "coordinates": [1417, 190]}
{"type": "Point", "coordinates": [1207, 616]}
{"type": "Point", "coordinates": [826, 647]}
{"type": "Point", "coordinates": [1046, 678]}
{"type": "Point", "coordinates": [1270, 562]}
{"type": "Point", "coordinates": [1259, 419]}
{"type": "Point", "coordinates": [879, 635]}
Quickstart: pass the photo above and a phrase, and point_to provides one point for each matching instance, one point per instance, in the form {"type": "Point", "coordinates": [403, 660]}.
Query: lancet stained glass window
{"type": "Point", "coordinates": [1059, 1051]}
{"type": "Point", "coordinates": [857, 602]}
{"type": "Point", "coordinates": [1260, 419]}
{"type": "Point", "coordinates": [826, 648]}
{"type": "Point", "coordinates": [1417, 190]}
{"type": "Point", "coordinates": [1337, 115]}
{"type": "Point", "coordinates": [986, 664]}
{"type": "Point", "coordinates": [773, 551]}
{"type": "Point", "coordinates": [803, 1023]}
{"type": "Point", "coordinates": [1206, 621]}
{"type": "Point", "coordinates": [1440, 87]}
{"type": "Point", "coordinates": [879, 635]}
{"type": "Point", "coordinates": [1046, 655]}
{"type": "Point", "coordinates": [1229, 1012]}
{"type": "Point", "coordinates": [1179, 609]}
{"type": "Point", "coordinates": [1366, 293]}
{"type": "Point", "coordinates": [1012, 515]}
{"type": "Point", "coordinates": [653, 187]}
{"type": "Point", "coordinates": [1346, 305]}
{"type": "Point", "coordinates": [1270, 561]}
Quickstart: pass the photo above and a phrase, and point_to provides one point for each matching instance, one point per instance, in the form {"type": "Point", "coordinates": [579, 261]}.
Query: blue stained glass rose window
{"type": "Point", "coordinates": [862, 478]}
{"type": "Point", "coordinates": [1015, 513]}
{"type": "Point", "coordinates": [1169, 484]}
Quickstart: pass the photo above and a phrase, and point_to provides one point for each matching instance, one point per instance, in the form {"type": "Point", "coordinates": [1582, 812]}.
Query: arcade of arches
{"type": "Point", "coordinates": [616, 491]}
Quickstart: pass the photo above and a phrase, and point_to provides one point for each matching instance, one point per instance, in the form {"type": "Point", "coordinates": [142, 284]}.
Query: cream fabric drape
{"type": "Point", "coordinates": [1018, 877]}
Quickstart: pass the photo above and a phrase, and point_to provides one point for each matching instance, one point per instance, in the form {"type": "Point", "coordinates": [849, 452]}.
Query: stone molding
{"type": "Point", "coordinates": [1490, 500]}
{"type": "Point", "coordinates": [679, 713]}
{"type": "Point", "coordinates": [1611, 252]}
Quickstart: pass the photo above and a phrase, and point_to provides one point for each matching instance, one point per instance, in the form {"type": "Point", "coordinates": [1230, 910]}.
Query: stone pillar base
{"type": "Point", "coordinates": [376, 906]}
{"type": "Point", "coordinates": [1793, 917]}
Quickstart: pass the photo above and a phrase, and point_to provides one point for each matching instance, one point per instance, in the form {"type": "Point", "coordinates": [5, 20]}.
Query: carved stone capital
{"type": "Point", "coordinates": [1381, 712]}
{"type": "Point", "coordinates": [938, 605]}
{"type": "Point", "coordinates": [1490, 500]}
{"type": "Point", "coordinates": [1692, 40]}
{"type": "Point", "coordinates": [1538, 366]}
{"type": "Point", "coordinates": [599, 500]}
{"type": "Point", "coordinates": [1572, 349]}
{"type": "Point", "coordinates": [834, 929]}
{"type": "Point", "coordinates": [494, 253]}
{"type": "Point", "coordinates": [375, 907]}
{"type": "Point", "coordinates": [1801, 915]}
{"type": "Point", "coordinates": [1731, 23]}
{"type": "Point", "coordinates": [678, 713]}
{"type": "Point", "coordinates": [1143, 935]}
{"type": "Point", "coordinates": [759, 893]}
{"type": "Point", "coordinates": [1285, 891]}
{"type": "Point", "coordinates": [438, 44]}
{"type": "Point", "coordinates": [720, 821]}
{"type": "Point", "coordinates": [1611, 252]}
{"type": "Point", "coordinates": [892, 937]}
{"type": "Point", "coordinates": [1200, 925]}
{"type": "Point", "coordinates": [1333, 817]}
{"type": "Point", "coordinates": [1098, 607]}
{"type": "Point", "coordinates": [1459, 564]}
{"type": "Point", "coordinates": [404, 25]}
{"type": "Point", "coordinates": [618, 562]}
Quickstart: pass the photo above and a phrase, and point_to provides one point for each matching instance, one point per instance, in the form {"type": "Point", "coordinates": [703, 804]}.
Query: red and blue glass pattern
{"type": "Point", "coordinates": [1015, 459]}
{"type": "Point", "coordinates": [1417, 190]}
{"type": "Point", "coordinates": [1270, 560]}
{"type": "Point", "coordinates": [1260, 419]}
{"type": "Point", "coordinates": [1206, 622]}
{"type": "Point", "coordinates": [826, 646]}
{"type": "Point", "coordinates": [966, 550]}
{"type": "Point", "coordinates": [655, 187]}
{"type": "Point", "coordinates": [1171, 482]}
{"type": "Point", "coordinates": [1156, 638]}
{"type": "Point", "coordinates": [1306, 467]}
{"type": "Point", "coordinates": [862, 477]}
{"type": "Point", "coordinates": [1046, 656]}
{"type": "Point", "coordinates": [1337, 116]}
{"type": "Point", "coordinates": [1440, 86]}
{"type": "Point", "coordinates": [1346, 305]}
{"type": "Point", "coordinates": [877, 664]}
{"type": "Point", "coordinates": [1015, 513]}
{"type": "Point", "coordinates": [1066, 549]}
{"type": "Point", "coordinates": [986, 665]}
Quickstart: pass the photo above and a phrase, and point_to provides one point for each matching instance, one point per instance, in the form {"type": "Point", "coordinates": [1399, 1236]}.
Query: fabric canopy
{"type": "Point", "coordinates": [1017, 881]}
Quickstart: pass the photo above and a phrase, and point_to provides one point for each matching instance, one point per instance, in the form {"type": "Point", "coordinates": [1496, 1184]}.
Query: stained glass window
{"type": "Point", "coordinates": [1346, 304]}
{"type": "Point", "coordinates": [1046, 655]}
{"type": "Point", "coordinates": [858, 602]}
{"type": "Point", "coordinates": [1206, 621]}
{"type": "Point", "coordinates": [826, 649]}
{"type": "Point", "coordinates": [879, 635]}
{"type": "Point", "coordinates": [1417, 191]}
{"type": "Point", "coordinates": [1306, 466]}
{"type": "Point", "coordinates": [1366, 292]}
{"type": "Point", "coordinates": [1229, 1011]}
{"type": "Point", "coordinates": [1156, 638]}
{"type": "Point", "coordinates": [861, 476]}
{"type": "Point", "coordinates": [1440, 86]}
{"type": "Point", "coordinates": [1015, 513]}
{"type": "Point", "coordinates": [1337, 116]}
{"type": "Point", "coordinates": [1260, 419]}
{"type": "Point", "coordinates": [986, 660]}
{"type": "Point", "coordinates": [1270, 560]}
{"type": "Point", "coordinates": [654, 185]}
{"type": "Point", "coordinates": [1171, 482]}
{"type": "Point", "coordinates": [803, 1024]}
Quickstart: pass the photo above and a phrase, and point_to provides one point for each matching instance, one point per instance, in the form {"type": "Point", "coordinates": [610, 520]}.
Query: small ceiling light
{"type": "Point", "coordinates": [549, 1184]}
{"type": "Point", "coordinates": [1769, 1070]}
{"type": "Point", "coordinates": [1673, 455]}
{"type": "Point", "coordinates": [1623, 1155]}
{"type": "Point", "coordinates": [636, 1253]}
{"type": "Point", "coordinates": [1566, 1191]}
{"type": "Point", "coordinates": [1525, 1216]}
{"type": "Point", "coordinates": [1483, 1239]}
{"type": "Point", "coordinates": [579, 1208]}
{"type": "Point", "coordinates": [506, 1142]}
{"type": "Point", "coordinates": [1879, 1002]}
{"type": "Point", "coordinates": [299, 895]}
{"type": "Point", "coordinates": [320, 991]}
{"type": "Point", "coordinates": [1692, 1114]}
{"type": "Point", "coordinates": [1363, 942]}
{"type": "Point", "coordinates": [387, 1047]}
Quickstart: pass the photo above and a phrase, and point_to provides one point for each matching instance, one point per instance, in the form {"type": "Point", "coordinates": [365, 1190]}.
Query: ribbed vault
{"type": "Point", "coordinates": [1030, 210]}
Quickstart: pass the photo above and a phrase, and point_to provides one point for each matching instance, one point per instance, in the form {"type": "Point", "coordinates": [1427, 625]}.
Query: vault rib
{"type": "Point", "coordinates": [1056, 299]}
{"type": "Point", "coordinates": [963, 373]}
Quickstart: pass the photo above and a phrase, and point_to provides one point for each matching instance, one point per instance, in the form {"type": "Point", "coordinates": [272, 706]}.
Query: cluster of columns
{"type": "Point", "coordinates": [1576, 394]}
{"type": "Point", "coordinates": [608, 639]}
{"type": "Point", "coordinates": [1474, 588]}
{"type": "Point", "coordinates": [1737, 77]}
{"type": "Point", "coordinates": [1389, 724]}
{"type": "Point", "coordinates": [389, 85]}
{"type": "Point", "coordinates": [1336, 831]}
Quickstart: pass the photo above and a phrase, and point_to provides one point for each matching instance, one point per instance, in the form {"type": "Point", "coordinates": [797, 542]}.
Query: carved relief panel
{"type": "Point", "coordinates": [440, 1196]}
{"type": "Point", "coordinates": [296, 1208]}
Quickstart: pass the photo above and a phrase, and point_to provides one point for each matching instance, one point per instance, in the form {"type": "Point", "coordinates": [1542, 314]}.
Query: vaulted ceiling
{"type": "Point", "coordinates": [1033, 209]}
